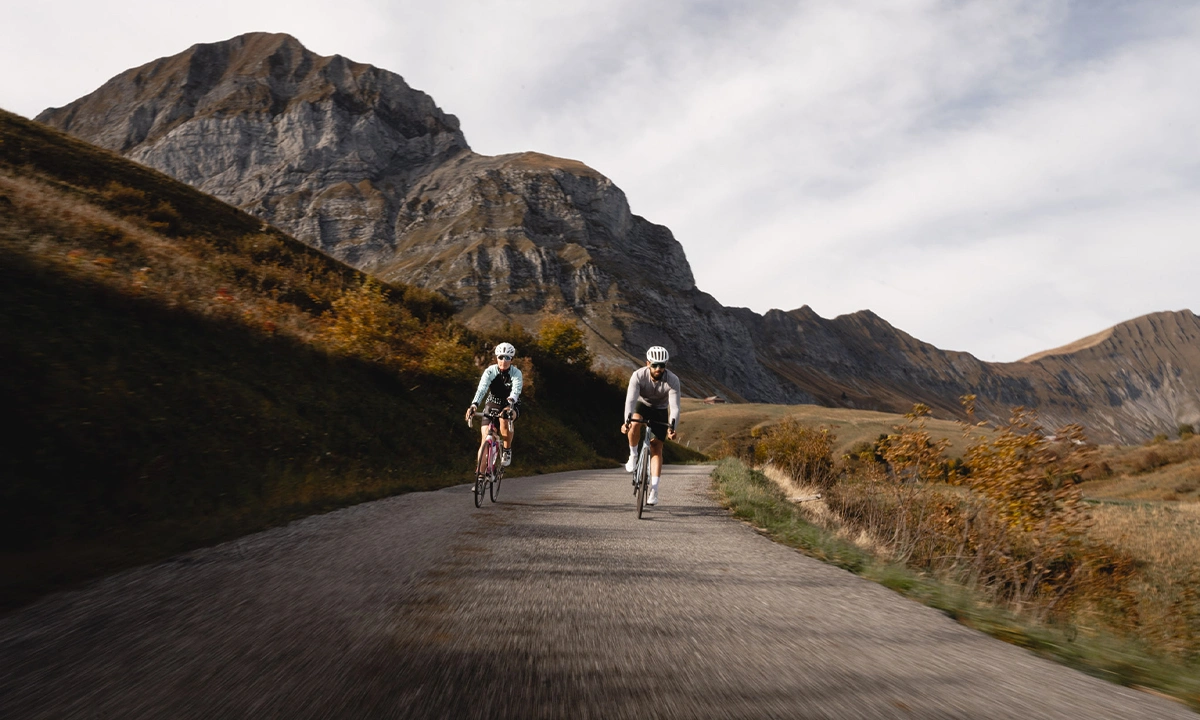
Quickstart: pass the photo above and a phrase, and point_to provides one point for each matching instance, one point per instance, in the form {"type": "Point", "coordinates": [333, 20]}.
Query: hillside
{"type": "Point", "coordinates": [351, 160]}
{"type": "Point", "coordinates": [183, 372]}
{"type": "Point", "coordinates": [709, 426]}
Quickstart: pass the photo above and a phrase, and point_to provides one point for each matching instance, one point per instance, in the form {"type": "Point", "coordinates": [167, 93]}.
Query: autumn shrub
{"type": "Point", "coordinates": [803, 453]}
{"type": "Point", "coordinates": [729, 446]}
{"type": "Point", "coordinates": [1149, 460]}
{"type": "Point", "coordinates": [365, 323]}
{"type": "Point", "coordinates": [560, 337]}
{"type": "Point", "coordinates": [447, 357]}
{"type": "Point", "coordinates": [1028, 505]}
{"type": "Point", "coordinates": [158, 214]}
{"type": "Point", "coordinates": [892, 497]}
{"type": "Point", "coordinates": [1007, 518]}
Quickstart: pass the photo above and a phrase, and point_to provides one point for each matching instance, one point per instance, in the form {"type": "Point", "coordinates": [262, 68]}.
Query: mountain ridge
{"type": "Point", "coordinates": [314, 146]}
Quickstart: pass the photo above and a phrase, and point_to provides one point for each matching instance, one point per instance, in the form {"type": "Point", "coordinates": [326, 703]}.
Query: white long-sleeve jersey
{"type": "Point", "coordinates": [661, 394]}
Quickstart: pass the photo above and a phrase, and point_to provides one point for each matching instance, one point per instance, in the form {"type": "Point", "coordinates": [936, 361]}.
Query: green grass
{"type": "Point", "coordinates": [752, 497]}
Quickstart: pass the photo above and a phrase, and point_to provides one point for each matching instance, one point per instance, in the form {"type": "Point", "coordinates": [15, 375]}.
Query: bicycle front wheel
{"type": "Point", "coordinates": [495, 486]}
{"type": "Point", "coordinates": [481, 473]}
{"type": "Point", "coordinates": [643, 479]}
{"type": "Point", "coordinates": [479, 490]}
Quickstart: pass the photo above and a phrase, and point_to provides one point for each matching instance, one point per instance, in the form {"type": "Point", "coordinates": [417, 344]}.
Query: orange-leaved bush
{"type": "Point", "coordinates": [363, 321]}
{"type": "Point", "coordinates": [560, 337]}
{"type": "Point", "coordinates": [803, 453]}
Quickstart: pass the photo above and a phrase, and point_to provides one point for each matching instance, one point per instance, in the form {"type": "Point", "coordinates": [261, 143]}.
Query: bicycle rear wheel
{"type": "Point", "coordinates": [643, 477]}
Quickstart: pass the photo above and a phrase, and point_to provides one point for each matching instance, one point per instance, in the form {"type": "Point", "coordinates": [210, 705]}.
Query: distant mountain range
{"type": "Point", "coordinates": [350, 159]}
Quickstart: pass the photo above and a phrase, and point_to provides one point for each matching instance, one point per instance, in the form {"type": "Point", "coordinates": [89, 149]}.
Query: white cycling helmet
{"type": "Point", "coordinates": [506, 350]}
{"type": "Point", "coordinates": [657, 354]}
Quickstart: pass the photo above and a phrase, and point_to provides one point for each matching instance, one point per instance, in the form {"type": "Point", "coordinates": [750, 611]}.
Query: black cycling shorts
{"type": "Point", "coordinates": [656, 417]}
{"type": "Point", "coordinates": [492, 409]}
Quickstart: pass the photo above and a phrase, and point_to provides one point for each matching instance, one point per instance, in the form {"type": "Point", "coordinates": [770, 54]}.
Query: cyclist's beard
{"type": "Point", "coordinates": [657, 374]}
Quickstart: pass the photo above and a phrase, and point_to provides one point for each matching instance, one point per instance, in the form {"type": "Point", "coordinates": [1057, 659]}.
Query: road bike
{"type": "Point", "coordinates": [490, 470]}
{"type": "Point", "coordinates": [641, 471]}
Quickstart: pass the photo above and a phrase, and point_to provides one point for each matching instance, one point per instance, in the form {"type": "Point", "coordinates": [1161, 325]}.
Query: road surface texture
{"type": "Point", "coordinates": [555, 602]}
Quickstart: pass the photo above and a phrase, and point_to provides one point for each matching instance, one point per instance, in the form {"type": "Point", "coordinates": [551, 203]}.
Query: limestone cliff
{"type": "Point", "coordinates": [320, 146]}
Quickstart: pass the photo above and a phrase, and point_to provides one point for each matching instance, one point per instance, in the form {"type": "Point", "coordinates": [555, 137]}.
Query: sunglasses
{"type": "Point", "coordinates": [504, 357]}
{"type": "Point", "coordinates": [658, 366]}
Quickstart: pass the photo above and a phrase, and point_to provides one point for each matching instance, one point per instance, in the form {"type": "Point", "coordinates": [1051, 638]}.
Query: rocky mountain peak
{"type": "Point", "coordinates": [321, 146]}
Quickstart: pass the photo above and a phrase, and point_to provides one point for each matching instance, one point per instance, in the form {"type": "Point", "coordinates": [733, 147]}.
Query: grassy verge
{"type": "Point", "coordinates": [752, 497]}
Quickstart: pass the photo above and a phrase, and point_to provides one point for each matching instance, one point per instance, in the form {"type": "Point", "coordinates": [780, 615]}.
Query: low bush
{"type": "Point", "coordinates": [804, 454]}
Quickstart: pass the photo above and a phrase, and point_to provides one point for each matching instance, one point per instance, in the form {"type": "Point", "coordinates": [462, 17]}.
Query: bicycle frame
{"type": "Point", "coordinates": [641, 471]}
{"type": "Point", "coordinates": [488, 470]}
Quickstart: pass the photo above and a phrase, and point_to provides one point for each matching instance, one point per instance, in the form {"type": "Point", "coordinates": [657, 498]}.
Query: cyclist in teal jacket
{"type": "Point", "coordinates": [500, 390]}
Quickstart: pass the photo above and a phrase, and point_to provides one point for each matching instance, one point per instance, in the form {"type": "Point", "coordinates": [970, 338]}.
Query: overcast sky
{"type": "Point", "coordinates": [997, 177]}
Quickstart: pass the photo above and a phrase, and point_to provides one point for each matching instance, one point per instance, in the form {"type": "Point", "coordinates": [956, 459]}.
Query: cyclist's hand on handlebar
{"type": "Point", "coordinates": [471, 413]}
{"type": "Point", "coordinates": [671, 434]}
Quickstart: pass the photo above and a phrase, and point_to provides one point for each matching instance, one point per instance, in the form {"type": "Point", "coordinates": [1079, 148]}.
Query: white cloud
{"type": "Point", "coordinates": [999, 178]}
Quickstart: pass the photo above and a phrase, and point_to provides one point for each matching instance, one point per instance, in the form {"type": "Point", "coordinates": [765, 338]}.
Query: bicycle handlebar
{"type": "Point", "coordinates": [505, 413]}
{"type": "Point", "coordinates": [630, 421]}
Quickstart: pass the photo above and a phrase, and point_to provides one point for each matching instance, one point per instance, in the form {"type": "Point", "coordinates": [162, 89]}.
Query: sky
{"type": "Point", "coordinates": [997, 177]}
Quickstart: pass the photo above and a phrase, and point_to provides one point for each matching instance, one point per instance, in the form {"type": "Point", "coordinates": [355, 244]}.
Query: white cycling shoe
{"type": "Point", "coordinates": [506, 457]}
{"type": "Point", "coordinates": [630, 463]}
{"type": "Point", "coordinates": [652, 498]}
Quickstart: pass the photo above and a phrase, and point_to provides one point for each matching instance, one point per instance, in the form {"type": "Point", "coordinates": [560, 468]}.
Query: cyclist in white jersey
{"type": "Point", "coordinates": [653, 396]}
{"type": "Point", "coordinates": [501, 386]}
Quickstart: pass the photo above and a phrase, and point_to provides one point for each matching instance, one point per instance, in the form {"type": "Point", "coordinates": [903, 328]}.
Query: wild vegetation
{"type": "Point", "coordinates": [181, 373]}
{"type": "Point", "coordinates": [1003, 536]}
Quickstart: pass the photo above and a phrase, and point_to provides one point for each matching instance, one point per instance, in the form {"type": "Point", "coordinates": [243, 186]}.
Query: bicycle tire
{"type": "Point", "coordinates": [643, 477]}
{"type": "Point", "coordinates": [482, 473]}
{"type": "Point", "coordinates": [494, 488]}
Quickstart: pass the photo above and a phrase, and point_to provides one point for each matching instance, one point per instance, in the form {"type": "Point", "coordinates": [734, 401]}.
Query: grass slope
{"type": "Point", "coordinates": [182, 374]}
{"type": "Point", "coordinates": [707, 425]}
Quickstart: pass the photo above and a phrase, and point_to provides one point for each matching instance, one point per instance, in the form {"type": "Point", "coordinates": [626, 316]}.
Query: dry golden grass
{"type": "Point", "coordinates": [1167, 471]}
{"type": "Point", "coordinates": [1180, 481]}
{"type": "Point", "coordinates": [1163, 534]}
{"type": "Point", "coordinates": [129, 253]}
{"type": "Point", "coordinates": [1165, 537]}
{"type": "Point", "coordinates": [812, 506]}
{"type": "Point", "coordinates": [703, 426]}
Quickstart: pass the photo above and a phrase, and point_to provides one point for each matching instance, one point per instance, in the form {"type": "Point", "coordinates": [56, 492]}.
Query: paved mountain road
{"type": "Point", "coordinates": [555, 602]}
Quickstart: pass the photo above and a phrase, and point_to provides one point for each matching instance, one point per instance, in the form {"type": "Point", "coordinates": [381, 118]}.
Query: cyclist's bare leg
{"type": "Point", "coordinates": [635, 431]}
{"type": "Point", "coordinates": [506, 432]}
{"type": "Point", "coordinates": [483, 433]}
{"type": "Point", "coordinates": [656, 461]}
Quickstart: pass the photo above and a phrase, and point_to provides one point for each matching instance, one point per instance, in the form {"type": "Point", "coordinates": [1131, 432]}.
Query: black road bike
{"type": "Point", "coordinates": [641, 471]}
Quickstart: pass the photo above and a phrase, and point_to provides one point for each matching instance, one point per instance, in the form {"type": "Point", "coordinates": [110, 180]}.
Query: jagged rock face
{"type": "Point", "coordinates": [1136, 379]}
{"type": "Point", "coordinates": [351, 160]}
{"type": "Point", "coordinates": [528, 234]}
{"type": "Point", "coordinates": [320, 146]}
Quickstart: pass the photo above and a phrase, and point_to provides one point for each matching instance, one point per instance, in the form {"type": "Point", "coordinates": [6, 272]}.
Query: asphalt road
{"type": "Point", "coordinates": [555, 602]}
